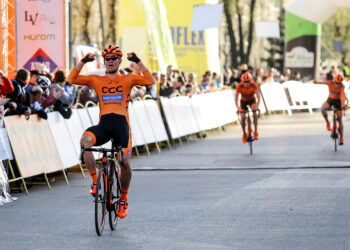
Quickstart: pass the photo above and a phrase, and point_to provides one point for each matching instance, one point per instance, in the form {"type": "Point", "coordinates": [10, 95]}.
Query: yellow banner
{"type": "Point", "coordinates": [190, 47]}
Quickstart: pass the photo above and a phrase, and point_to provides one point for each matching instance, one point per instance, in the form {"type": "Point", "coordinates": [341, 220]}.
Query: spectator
{"type": "Point", "coordinates": [65, 95]}
{"type": "Point", "coordinates": [235, 79]}
{"type": "Point", "coordinates": [152, 90]}
{"type": "Point", "coordinates": [322, 75]}
{"type": "Point", "coordinates": [179, 86]}
{"type": "Point", "coordinates": [227, 77]}
{"type": "Point", "coordinates": [165, 87]}
{"type": "Point", "coordinates": [169, 74]}
{"type": "Point", "coordinates": [296, 76]}
{"type": "Point", "coordinates": [250, 70]}
{"type": "Point", "coordinates": [192, 84]}
{"type": "Point", "coordinates": [274, 75]}
{"type": "Point", "coordinates": [204, 87]}
{"type": "Point", "coordinates": [259, 74]}
{"type": "Point", "coordinates": [34, 99]}
{"type": "Point", "coordinates": [15, 104]}
{"type": "Point", "coordinates": [219, 82]}
{"type": "Point", "coordinates": [242, 69]}
{"type": "Point", "coordinates": [334, 71]}
{"type": "Point", "coordinates": [6, 87]}
{"type": "Point", "coordinates": [287, 75]}
{"type": "Point", "coordinates": [33, 75]}
{"type": "Point", "coordinates": [87, 94]}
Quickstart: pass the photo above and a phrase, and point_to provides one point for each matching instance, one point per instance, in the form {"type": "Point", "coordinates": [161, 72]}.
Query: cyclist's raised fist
{"type": "Point", "coordinates": [88, 58]}
{"type": "Point", "coordinates": [133, 57]}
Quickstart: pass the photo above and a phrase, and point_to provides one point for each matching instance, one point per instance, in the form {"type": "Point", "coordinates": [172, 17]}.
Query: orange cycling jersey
{"type": "Point", "coordinates": [335, 92]}
{"type": "Point", "coordinates": [113, 94]}
{"type": "Point", "coordinates": [247, 93]}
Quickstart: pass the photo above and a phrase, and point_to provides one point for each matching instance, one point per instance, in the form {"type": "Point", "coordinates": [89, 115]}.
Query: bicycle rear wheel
{"type": "Point", "coordinates": [250, 137]}
{"type": "Point", "coordinates": [114, 195]}
{"type": "Point", "coordinates": [100, 201]}
{"type": "Point", "coordinates": [335, 144]}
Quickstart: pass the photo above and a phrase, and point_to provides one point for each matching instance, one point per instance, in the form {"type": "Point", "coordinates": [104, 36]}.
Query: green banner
{"type": "Point", "coordinates": [297, 27]}
{"type": "Point", "coordinates": [159, 32]}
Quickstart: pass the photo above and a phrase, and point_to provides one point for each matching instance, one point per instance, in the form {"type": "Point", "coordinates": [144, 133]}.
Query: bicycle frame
{"type": "Point", "coordinates": [250, 138]}
{"type": "Point", "coordinates": [334, 133]}
{"type": "Point", "coordinates": [109, 170]}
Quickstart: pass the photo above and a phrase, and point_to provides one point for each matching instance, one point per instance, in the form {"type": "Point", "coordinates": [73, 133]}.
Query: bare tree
{"type": "Point", "coordinates": [85, 14]}
{"type": "Point", "coordinates": [112, 18]}
{"type": "Point", "coordinates": [241, 54]}
{"type": "Point", "coordinates": [231, 33]}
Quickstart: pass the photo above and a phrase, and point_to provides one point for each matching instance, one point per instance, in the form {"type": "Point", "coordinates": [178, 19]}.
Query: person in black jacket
{"type": "Point", "coordinates": [16, 105]}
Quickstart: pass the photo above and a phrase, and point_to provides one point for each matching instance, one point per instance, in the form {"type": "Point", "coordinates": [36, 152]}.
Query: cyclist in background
{"type": "Point", "coordinates": [113, 91]}
{"type": "Point", "coordinates": [250, 96]}
{"type": "Point", "coordinates": [336, 99]}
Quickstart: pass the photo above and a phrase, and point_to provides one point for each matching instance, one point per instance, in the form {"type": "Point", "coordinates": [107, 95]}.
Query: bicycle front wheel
{"type": "Point", "coordinates": [100, 201]}
{"type": "Point", "coordinates": [114, 195]}
{"type": "Point", "coordinates": [335, 144]}
{"type": "Point", "coordinates": [251, 147]}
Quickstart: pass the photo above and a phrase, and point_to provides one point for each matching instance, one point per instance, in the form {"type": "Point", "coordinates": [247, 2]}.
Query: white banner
{"type": "Point", "coordinates": [206, 16]}
{"type": "Point", "coordinates": [40, 38]}
{"type": "Point", "coordinates": [267, 29]}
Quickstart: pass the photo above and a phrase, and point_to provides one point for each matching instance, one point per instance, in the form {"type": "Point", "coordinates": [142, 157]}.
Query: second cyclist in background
{"type": "Point", "coordinates": [336, 99]}
{"type": "Point", "coordinates": [250, 96]}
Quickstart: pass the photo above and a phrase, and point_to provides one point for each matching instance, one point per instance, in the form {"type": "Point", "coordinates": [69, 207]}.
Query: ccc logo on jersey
{"type": "Point", "coordinates": [112, 90]}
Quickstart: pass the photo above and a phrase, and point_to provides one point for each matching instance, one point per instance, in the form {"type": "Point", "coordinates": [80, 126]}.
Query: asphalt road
{"type": "Point", "coordinates": [293, 193]}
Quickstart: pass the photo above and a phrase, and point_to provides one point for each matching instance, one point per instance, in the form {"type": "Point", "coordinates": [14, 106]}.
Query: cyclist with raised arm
{"type": "Point", "coordinates": [250, 96]}
{"type": "Point", "coordinates": [113, 90]}
{"type": "Point", "coordinates": [336, 99]}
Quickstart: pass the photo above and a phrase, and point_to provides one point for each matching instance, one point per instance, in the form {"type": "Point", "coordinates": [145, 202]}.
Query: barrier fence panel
{"type": "Point", "coordinates": [297, 94]}
{"type": "Point", "coordinates": [33, 145]}
{"type": "Point", "coordinates": [199, 112]}
{"type": "Point", "coordinates": [5, 148]}
{"type": "Point", "coordinates": [225, 106]}
{"type": "Point", "coordinates": [144, 122]}
{"type": "Point", "coordinates": [62, 139]}
{"type": "Point", "coordinates": [75, 130]}
{"type": "Point", "coordinates": [155, 117]}
{"type": "Point", "coordinates": [170, 118]}
{"type": "Point", "coordinates": [317, 94]}
{"type": "Point", "coordinates": [136, 132]}
{"type": "Point", "coordinates": [275, 97]}
{"type": "Point", "coordinates": [183, 113]}
{"type": "Point", "coordinates": [84, 118]}
{"type": "Point", "coordinates": [94, 114]}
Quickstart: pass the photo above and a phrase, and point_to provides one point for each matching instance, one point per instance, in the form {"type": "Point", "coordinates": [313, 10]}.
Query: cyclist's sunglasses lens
{"type": "Point", "coordinates": [113, 58]}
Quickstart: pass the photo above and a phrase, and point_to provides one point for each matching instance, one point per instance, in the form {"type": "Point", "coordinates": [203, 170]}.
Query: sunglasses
{"type": "Point", "coordinates": [113, 58]}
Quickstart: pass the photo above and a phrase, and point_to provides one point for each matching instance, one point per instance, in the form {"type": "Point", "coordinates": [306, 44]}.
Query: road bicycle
{"type": "Point", "coordinates": [108, 186]}
{"type": "Point", "coordinates": [334, 129]}
{"type": "Point", "coordinates": [250, 137]}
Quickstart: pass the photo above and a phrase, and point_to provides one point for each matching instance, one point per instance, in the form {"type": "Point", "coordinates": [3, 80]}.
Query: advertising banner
{"type": "Point", "coordinates": [196, 51]}
{"type": "Point", "coordinates": [40, 34]}
{"type": "Point", "coordinates": [159, 33]}
{"type": "Point", "coordinates": [33, 145]}
{"type": "Point", "coordinates": [302, 49]}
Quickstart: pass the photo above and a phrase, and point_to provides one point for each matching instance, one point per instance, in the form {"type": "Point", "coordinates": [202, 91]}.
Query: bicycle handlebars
{"type": "Point", "coordinates": [101, 150]}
